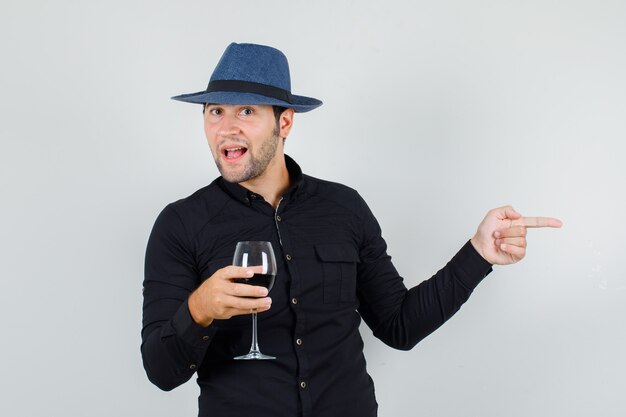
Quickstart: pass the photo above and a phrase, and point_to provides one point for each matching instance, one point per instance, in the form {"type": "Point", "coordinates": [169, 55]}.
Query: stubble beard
{"type": "Point", "coordinates": [257, 165]}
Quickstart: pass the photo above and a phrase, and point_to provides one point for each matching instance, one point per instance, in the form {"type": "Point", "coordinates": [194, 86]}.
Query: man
{"type": "Point", "coordinates": [333, 268]}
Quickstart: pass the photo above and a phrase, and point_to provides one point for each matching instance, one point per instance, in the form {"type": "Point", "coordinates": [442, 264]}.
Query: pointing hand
{"type": "Point", "coordinates": [501, 236]}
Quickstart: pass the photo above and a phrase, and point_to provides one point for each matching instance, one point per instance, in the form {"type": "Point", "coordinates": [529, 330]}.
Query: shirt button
{"type": "Point", "coordinates": [298, 342]}
{"type": "Point", "coordinates": [303, 385]}
{"type": "Point", "coordinates": [192, 366]}
{"type": "Point", "coordinates": [288, 257]}
{"type": "Point", "coordinates": [205, 338]}
{"type": "Point", "coordinates": [294, 301]}
{"type": "Point", "coordinates": [278, 218]}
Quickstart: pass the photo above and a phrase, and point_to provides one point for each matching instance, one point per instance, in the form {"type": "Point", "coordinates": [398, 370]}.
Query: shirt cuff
{"type": "Point", "coordinates": [189, 330]}
{"type": "Point", "coordinates": [473, 267]}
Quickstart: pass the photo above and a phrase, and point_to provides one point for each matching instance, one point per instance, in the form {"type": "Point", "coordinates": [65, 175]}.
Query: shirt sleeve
{"type": "Point", "coordinates": [173, 345]}
{"type": "Point", "coordinates": [400, 317]}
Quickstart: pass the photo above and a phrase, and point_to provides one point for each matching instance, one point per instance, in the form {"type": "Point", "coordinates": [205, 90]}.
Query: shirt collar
{"type": "Point", "coordinates": [242, 194]}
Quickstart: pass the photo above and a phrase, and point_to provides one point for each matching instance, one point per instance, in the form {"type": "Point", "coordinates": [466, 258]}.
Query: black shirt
{"type": "Point", "coordinates": [333, 270]}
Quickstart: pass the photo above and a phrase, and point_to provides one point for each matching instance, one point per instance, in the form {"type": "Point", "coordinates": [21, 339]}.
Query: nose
{"type": "Point", "coordinates": [228, 126]}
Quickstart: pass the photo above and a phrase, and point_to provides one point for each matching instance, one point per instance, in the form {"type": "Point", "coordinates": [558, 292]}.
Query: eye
{"type": "Point", "coordinates": [215, 111]}
{"type": "Point", "coordinates": [246, 111]}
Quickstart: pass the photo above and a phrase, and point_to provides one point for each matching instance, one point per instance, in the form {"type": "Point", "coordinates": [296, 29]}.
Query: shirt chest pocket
{"type": "Point", "coordinates": [339, 262]}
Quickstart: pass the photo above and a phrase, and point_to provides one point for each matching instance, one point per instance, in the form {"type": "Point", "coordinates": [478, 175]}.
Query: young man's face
{"type": "Point", "coordinates": [244, 139]}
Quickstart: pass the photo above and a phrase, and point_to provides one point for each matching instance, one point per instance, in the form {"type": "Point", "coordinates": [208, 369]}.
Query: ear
{"type": "Point", "coordinates": [285, 122]}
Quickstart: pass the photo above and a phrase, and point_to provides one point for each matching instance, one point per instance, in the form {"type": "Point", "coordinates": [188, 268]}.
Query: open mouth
{"type": "Point", "coordinates": [234, 153]}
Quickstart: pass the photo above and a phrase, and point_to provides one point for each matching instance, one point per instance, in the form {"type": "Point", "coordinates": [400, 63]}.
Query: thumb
{"type": "Point", "coordinates": [510, 213]}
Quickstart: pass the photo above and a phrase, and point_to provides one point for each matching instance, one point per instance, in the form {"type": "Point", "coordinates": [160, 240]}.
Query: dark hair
{"type": "Point", "coordinates": [278, 110]}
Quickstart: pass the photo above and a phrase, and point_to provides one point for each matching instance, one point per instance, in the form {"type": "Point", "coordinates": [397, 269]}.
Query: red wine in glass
{"type": "Point", "coordinates": [258, 256]}
{"type": "Point", "coordinates": [260, 280]}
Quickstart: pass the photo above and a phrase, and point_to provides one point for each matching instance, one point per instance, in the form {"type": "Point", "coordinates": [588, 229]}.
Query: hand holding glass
{"type": "Point", "coordinates": [259, 257]}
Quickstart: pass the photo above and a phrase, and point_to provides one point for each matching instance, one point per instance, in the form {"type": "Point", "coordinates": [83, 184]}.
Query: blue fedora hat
{"type": "Point", "coordinates": [251, 74]}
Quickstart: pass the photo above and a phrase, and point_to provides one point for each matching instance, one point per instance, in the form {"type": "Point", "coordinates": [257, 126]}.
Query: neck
{"type": "Point", "coordinates": [273, 183]}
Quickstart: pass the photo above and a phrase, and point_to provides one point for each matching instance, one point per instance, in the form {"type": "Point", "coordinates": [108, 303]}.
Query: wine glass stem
{"type": "Point", "coordinates": [255, 344]}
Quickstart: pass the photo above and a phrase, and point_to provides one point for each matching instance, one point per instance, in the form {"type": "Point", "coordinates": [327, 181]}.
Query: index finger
{"type": "Point", "coordinates": [537, 222]}
{"type": "Point", "coordinates": [231, 271]}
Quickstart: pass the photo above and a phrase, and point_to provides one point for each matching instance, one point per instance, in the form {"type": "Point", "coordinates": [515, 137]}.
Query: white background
{"type": "Point", "coordinates": [434, 111]}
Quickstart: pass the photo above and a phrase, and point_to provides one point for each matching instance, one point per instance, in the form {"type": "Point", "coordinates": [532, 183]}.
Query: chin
{"type": "Point", "coordinates": [234, 177]}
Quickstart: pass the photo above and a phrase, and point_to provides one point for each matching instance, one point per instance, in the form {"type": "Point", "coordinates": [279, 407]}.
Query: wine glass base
{"type": "Point", "coordinates": [253, 356]}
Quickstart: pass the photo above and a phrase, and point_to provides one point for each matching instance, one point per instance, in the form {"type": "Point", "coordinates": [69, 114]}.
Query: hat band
{"type": "Point", "coordinates": [249, 87]}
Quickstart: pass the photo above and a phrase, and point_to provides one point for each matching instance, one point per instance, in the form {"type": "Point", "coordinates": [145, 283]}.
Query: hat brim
{"type": "Point", "coordinates": [300, 104]}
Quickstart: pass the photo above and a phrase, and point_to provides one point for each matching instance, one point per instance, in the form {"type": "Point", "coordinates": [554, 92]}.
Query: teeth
{"type": "Point", "coordinates": [235, 152]}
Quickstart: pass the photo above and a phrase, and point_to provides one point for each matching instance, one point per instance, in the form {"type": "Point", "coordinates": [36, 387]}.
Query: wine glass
{"type": "Point", "coordinates": [259, 257]}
